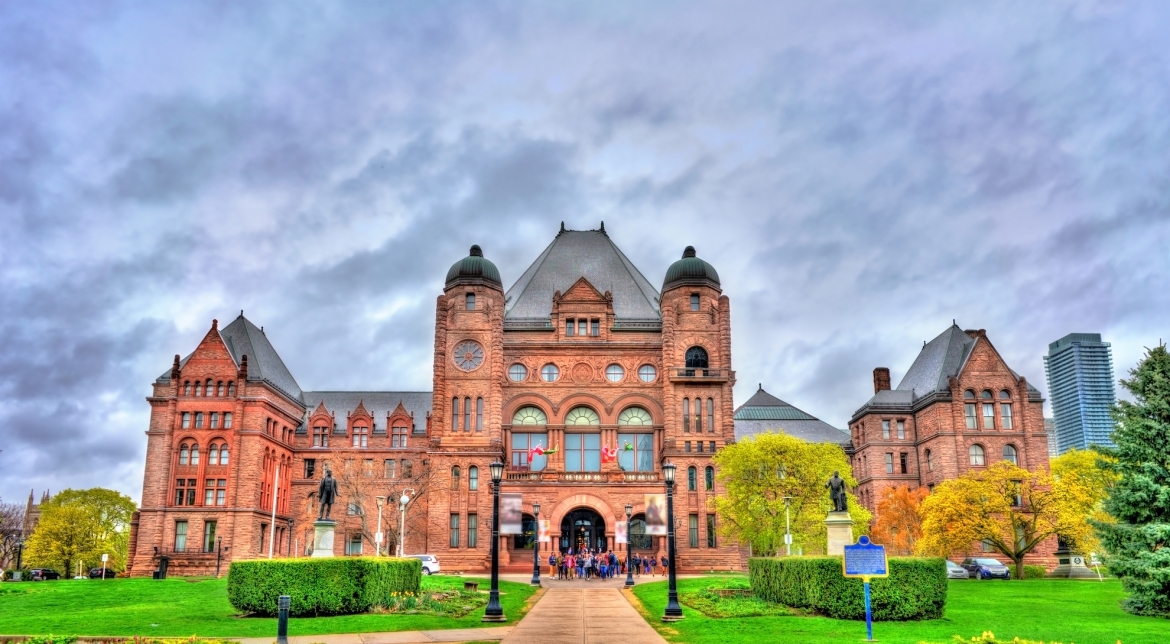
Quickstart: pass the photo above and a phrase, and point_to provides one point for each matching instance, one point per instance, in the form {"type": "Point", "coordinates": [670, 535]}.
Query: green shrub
{"type": "Point", "coordinates": [1035, 572]}
{"type": "Point", "coordinates": [915, 589]}
{"type": "Point", "coordinates": [24, 575]}
{"type": "Point", "coordinates": [325, 586]}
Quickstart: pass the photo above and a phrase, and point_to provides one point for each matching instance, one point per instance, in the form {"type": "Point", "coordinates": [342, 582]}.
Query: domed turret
{"type": "Point", "coordinates": [474, 269]}
{"type": "Point", "coordinates": [690, 271]}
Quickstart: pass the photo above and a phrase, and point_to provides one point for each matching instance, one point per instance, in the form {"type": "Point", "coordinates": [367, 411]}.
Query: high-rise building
{"type": "Point", "coordinates": [1080, 386]}
{"type": "Point", "coordinates": [1050, 429]}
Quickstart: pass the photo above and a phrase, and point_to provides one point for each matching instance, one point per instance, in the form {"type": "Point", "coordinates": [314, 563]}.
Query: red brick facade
{"type": "Point", "coordinates": [981, 412]}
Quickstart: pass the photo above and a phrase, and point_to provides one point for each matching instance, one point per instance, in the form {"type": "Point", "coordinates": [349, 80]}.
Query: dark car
{"type": "Point", "coordinates": [42, 574]}
{"type": "Point", "coordinates": [986, 568]}
{"type": "Point", "coordinates": [96, 573]}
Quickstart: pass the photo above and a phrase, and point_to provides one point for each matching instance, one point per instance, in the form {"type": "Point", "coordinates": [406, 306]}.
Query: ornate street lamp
{"type": "Point", "coordinates": [673, 610]}
{"type": "Point", "coordinates": [402, 501]}
{"type": "Point", "coordinates": [629, 545]}
{"type": "Point", "coordinates": [494, 611]}
{"type": "Point", "coordinates": [536, 546]}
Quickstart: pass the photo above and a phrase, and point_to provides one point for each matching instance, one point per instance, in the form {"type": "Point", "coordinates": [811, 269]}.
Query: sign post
{"type": "Point", "coordinates": [866, 560]}
{"type": "Point", "coordinates": [105, 558]}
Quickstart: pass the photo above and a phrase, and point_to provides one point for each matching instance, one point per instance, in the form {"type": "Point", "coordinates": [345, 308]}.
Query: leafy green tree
{"type": "Point", "coordinates": [79, 526]}
{"type": "Point", "coordinates": [759, 471]}
{"type": "Point", "coordinates": [1138, 544]}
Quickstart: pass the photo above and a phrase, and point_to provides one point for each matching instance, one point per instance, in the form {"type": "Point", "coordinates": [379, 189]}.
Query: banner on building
{"type": "Point", "coordinates": [619, 534]}
{"type": "Point", "coordinates": [511, 513]}
{"type": "Point", "coordinates": [656, 515]}
{"type": "Point", "coordinates": [544, 529]}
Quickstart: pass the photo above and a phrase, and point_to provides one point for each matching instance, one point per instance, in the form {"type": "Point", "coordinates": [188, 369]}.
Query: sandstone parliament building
{"type": "Point", "coordinates": [580, 355]}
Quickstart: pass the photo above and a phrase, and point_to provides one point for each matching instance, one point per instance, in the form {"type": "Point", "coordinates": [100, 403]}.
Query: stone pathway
{"type": "Point", "coordinates": [571, 614]}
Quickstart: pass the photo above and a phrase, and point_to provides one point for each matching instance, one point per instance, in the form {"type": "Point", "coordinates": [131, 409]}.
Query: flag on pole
{"type": "Point", "coordinates": [608, 453]}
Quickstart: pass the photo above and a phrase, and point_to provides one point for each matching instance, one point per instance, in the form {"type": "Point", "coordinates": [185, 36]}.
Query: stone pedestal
{"type": "Point", "coordinates": [1072, 566]}
{"type": "Point", "coordinates": [323, 538]}
{"type": "Point", "coordinates": [840, 532]}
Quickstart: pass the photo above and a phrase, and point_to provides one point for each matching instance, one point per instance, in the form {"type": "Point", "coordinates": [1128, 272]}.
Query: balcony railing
{"type": "Point", "coordinates": [523, 475]}
{"type": "Point", "coordinates": [698, 373]}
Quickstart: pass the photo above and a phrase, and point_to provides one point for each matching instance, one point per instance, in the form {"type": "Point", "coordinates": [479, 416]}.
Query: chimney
{"type": "Point", "coordinates": [881, 379]}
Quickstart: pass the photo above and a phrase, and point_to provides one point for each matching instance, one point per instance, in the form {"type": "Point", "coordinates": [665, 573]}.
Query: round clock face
{"type": "Point", "coordinates": [468, 355]}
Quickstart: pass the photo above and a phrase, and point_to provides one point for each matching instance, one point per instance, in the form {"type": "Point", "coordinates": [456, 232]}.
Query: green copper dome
{"type": "Point", "coordinates": [690, 271]}
{"type": "Point", "coordinates": [474, 269]}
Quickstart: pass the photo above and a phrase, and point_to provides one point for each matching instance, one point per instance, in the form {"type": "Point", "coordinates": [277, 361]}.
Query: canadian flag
{"type": "Point", "coordinates": [608, 453]}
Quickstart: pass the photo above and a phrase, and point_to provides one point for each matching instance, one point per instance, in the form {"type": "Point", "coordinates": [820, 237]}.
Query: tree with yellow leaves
{"type": "Point", "coordinates": [1011, 509]}
{"type": "Point", "coordinates": [1096, 470]}
{"type": "Point", "coordinates": [898, 526]}
{"type": "Point", "coordinates": [760, 471]}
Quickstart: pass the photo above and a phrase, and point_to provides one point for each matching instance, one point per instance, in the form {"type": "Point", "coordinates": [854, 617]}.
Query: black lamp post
{"type": "Point", "coordinates": [19, 552]}
{"type": "Point", "coordinates": [494, 612]}
{"type": "Point", "coordinates": [629, 545]}
{"type": "Point", "coordinates": [673, 610]}
{"type": "Point", "coordinates": [536, 546]}
{"type": "Point", "coordinates": [290, 537]}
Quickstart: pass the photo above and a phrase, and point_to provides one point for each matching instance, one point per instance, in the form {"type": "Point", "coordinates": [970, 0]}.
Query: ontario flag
{"type": "Point", "coordinates": [608, 453]}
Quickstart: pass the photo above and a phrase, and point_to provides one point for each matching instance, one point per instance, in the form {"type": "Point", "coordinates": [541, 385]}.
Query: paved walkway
{"type": "Point", "coordinates": [572, 614]}
{"type": "Point", "coordinates": [401, 637]}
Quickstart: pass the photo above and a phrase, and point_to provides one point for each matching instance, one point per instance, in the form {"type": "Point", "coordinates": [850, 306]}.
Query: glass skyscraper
{"type": "Point", "coordinates": [1080, 387]}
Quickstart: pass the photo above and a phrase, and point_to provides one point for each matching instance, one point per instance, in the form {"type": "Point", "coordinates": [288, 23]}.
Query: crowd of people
{"type": "Point", "coordinates": [602, 565]}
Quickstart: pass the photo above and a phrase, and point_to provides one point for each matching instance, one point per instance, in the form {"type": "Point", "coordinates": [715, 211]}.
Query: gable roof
{"type": "Point", "coordinates": [574, 254]}
{"type": "Point", "coordinates": [764, 412]}
{"type": "Point", "coordinates": [376, 403]}
{"type": "Point", "coordinates": [939, 359]}
{"type": "Point", "coordinates": [242, 338]}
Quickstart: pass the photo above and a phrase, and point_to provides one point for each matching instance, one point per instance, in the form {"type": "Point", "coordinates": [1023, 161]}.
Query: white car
{"type": "Point", "coordinates": [430, 563]}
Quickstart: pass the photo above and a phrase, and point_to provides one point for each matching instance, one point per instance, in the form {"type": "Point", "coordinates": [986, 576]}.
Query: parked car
{"type": "Point", "coordinates": [986, 568]}
{"type": "Point", "coordinates": [430, 563]}
{"type": "Point", "coordinates": [43, 574]}
{"type": "Point", "coordinates": [96, 573]}
{"type": "Point", "coordinates": [955, 571]}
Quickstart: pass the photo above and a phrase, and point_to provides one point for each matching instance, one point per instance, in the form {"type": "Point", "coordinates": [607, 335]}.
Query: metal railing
{"type": "Point", "coordinates": [697, 372]}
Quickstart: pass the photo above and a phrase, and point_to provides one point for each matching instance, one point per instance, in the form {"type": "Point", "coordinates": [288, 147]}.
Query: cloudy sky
{"type": "Point", "coordinates": [860, 173]}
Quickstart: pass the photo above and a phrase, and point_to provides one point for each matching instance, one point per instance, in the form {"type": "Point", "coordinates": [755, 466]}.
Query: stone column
{"type": "Point", "coordinates": [840, 532]}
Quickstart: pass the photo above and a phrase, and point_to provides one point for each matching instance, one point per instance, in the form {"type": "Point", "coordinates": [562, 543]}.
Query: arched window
{"type": "Point", "coordinates": [582, 416]}
{"type": "Point", "coordinates": [479, 414]}
{"type": "Point", "coordinates": [647, 373]}
{"type": "Point", "coordinates": [198, 389]}
{"type": "Point", "coordinates": [929, 461]}
{"type": "Point", "coordinates": [195, 453]}
{"type": "Point", "coordinates": [208, 390]}
{"type": "Point", "coordinates": [550, 373]}
{"type": "Point", "coordinates": [231, 388]}
{"type": "Point", "coordinates": [1005, 395]}
{"type": "Point", "coordinates": [977, 457]}
{"type": "Point", "coordinates": [184, 454]}
{"type": "Point", "coordinates": [198, 419]}
{"type": "Point", "coordinates": [213, 454]}
{"type": "Point", "coordinates": [615, 373]}
{"type": "Point", "coordinates": [473, 478]}
{"type": "Point", "coordinates": [986, 395]}
{"type": "Point", "coordinates": [1009, 454]}
{"type": "Point", "coordinates": [709, 478]}
{"type": "Point", "coordinates": [692, 484]}
{"type": "Point", "coordinates": [969, 395]}
{"type": "Point", "coordinates": [467, 414]}
{"type": "Point", "coordinates": [455, 475]}
{"type": "Point", "coordinates": [454, 414]}
{"type": "Point", "coordinates": [320, 437]}
{"type": "Point", "coordinates": [529, 416]}
{"type": "Point", "coordinates": [470, 301]}
{"type": "Point", "coordinates": [223, 454]}
{"type": "Point", "coordinates": [696, 358]}
{"type": "Point", "coordinates": [686, 414]}
{"type": "Point", "coordinates": [711, 414]}
{"type": "Point", "coordinates": [634, 416]}
{"type": "Point", "coordinates": [517, 372]}
{"type": "Point", "coordinates": [187, 388]}
{"type": "Point", "coordinates": [219, 390]}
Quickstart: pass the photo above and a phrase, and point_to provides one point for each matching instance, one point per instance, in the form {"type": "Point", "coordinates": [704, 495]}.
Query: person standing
{"type": "Point", "coordinates": [552, 565]}
{"type": "Point", "coordinates": [665, 565]}
{"type": "Point", "coordinates": [653, 566]}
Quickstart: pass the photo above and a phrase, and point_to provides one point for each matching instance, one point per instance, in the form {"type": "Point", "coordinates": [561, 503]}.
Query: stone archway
{"type": "Point", "coordinates": [578, 502]}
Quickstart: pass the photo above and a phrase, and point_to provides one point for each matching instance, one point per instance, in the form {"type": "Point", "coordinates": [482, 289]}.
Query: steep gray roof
{"type": "Point", "coordinates": [582, 253]}
{"type": "Point", "coordinates": [764, 412]}
{"type": "Point", "coordinates": [243, 338]}
{"type": "Point", "coordinates": [378, 403]}
{"type": "Point", "coordinates": [939, 359]}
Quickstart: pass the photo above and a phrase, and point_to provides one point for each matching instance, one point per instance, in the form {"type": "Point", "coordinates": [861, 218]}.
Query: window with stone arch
{"type": "Point", "coordinates": [473, 478]}
{"type": "Point", "coordinates": [692, 476]}
{"type": "Point", "coordinates": [219, 388]}
{"type": "Point", "coordinates": [635, 416]}
{"type": "Point", "coordinates": [231, 388]}
{"type": "Point", "coordinates": [582, 416]}
{"type": "Point", "coordinates": [696, 358]}
{"type": "Point", "coordinates": [929, 461]}
{"type": "Point", "coordinates": [456, 474]}
{"type": "Point", "coordinates": [1009, 454]}
{"type": "Point", "coordinates": [187, 388]}
{"type": "Point", "coordinates": [207, 391]}
{"type": "Point", "coordinates": [709, 478]}
{"type": "Point", "coordinates": [184, 454]}
{"type": "Point", "coordinates": [398, 436]}
{"type": "Point", "coordinates": [320, 436]}
{"type": "Point", "coordinates": [530, 415]}
{"type": "Point", "coordinates": [194, 453]}
{"type": "Point", "coordinates": [978, 458]}
{"type": "Point", "coordinates": [361, 436]}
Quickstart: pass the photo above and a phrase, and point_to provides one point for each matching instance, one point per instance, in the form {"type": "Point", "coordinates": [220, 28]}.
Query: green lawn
{"type": "Point", "coordinates": [1084, 612]}
{"type": "Point", "coordinates": [178, 607]}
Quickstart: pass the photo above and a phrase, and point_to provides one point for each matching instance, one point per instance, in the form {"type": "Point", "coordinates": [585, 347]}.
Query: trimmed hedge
{"type": "Point", "coordinates": [324, 586]}
{"type": "Point", "coordinates": [915, 589]}
{"type": "Point", "coordinates": [1035, 572]}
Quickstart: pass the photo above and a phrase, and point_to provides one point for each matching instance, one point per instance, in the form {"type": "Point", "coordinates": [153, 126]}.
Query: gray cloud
{"type": "Point", "coordinates": [858, 175]}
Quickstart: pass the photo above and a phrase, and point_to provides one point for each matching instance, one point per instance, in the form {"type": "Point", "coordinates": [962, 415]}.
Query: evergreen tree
{"type": "Point", "coordinates": [1139, 543]}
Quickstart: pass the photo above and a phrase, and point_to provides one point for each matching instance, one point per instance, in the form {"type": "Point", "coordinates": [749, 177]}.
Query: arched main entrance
{"type": "Point", "coordinates": [583, 529]}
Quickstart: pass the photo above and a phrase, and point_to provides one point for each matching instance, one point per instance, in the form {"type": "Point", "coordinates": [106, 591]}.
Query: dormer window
{"type": "Point", "coordinates": [694, 301]}
{"type": "Point", "coordinates": [471, 301]}
{"type": "Point", "coordinates": [361, 436]}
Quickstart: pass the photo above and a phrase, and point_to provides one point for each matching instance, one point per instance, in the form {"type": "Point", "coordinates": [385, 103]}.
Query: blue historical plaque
{"type": "Point", "coordinates": [865, 559]}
